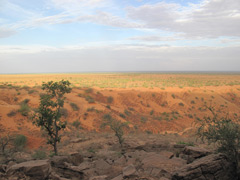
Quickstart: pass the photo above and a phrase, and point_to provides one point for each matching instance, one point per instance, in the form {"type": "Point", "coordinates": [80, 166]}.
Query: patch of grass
{"type": "Point", "coordinates": [74, 106]}
{"type": "Point", "coordinates": [89, 99]}
{"type": "Point", "coordinates": [20, 141]}
{"type": "Point", "coordinates": [24, 109]}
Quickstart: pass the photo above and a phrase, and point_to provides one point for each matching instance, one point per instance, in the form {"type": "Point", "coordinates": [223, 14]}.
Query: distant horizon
{"type": "Point", "coordinates": [132, 72]}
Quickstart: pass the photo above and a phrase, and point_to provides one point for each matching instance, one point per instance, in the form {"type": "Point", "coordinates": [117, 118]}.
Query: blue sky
{"type": "Point", "coordinates": [128, 35]}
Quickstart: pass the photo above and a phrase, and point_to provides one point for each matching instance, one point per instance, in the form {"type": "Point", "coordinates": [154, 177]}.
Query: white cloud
{"type": "Point", "coordinates": [209, 19]}
{"type": "Point", "coordinates": [6, 32]}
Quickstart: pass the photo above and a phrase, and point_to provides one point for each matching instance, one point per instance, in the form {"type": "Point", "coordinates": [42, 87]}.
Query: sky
{"type": "Point", "coordinates": [60, 36]}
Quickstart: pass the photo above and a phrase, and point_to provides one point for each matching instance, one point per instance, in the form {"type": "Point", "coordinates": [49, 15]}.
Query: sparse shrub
{"type": "Point", "coordinates": [107, 106]}
{"type": "Point", "coordinates": [143, 119]}
{"type": "Point", "coordinates": [74, 106]}
{"type": "Point", "coordinates": [39, 154]}
{"type": "Point", "coordinates": [80, 95]}
{"type": "Point", "coordinates": [180, 104]}
{"type": "Point", "coordinates": [25, 101]}
{"type": "Point", "coordinates": [131, 109]}
{"type": "Point", "coordinates": [15, 99]}
{"type": "Point", "coordinates": [31, 91]}
{"type": "Point", "coordinates": [89, 99]}
{"type": "Point", "coordinates": [149, 132]}
{"type": "Point", "coordinates": [152, 112]}
{"type": "Point", "coordinates": [116, 126]}
{"type": "Point", "coordinates": [12, 113]}
{"type": "Point", "coordinates": [186, 143]}
{"type": "Point", "coordinates": [122, 115]}
{"type": "Point", "coordinates": [173, 96]}
{"type": "Point", "coordinates": [76, 124]}
{"type": "Point", "coordinates": [128, 113]}
{"type": "Point", "coordinates": [4, 142]}
{"type": "Point", "coordinates": [20, 141]}
{"type": "Point", "coordinates": [139, 95]}
{"type": "Point", "coordinates": [91, 109]}
{"type": "Point", "coordinates": [153, 95]}
{"type": "Point", "coordinates": [110, 99]}
{"type": "Point", "coordinates": [192, 102]}
{"type": "Point", "coordinates": [18, 93]}
{"type": "Point", "coordinates": [24, 109]}
{"type": "Point", "coordinates": [222, 131]}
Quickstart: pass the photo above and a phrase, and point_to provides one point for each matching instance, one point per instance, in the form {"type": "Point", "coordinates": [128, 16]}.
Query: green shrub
{"type": "Point", "coordinates": [128, 113]}
{"type": "Point", "coordinates": [24, 109]}
{"type": "Point", "coordinates": [192, 102]}
{"type": "Point", "coordinates": [20, 141]}
{"type": "Point", "coordinates": [151, 112]}
{"type": "Point", "coordinates": [173, 96]}
{"type": "Point", "coordinates": [39, 154]}
{"type": "Point", "coordinates": [31, 91]}
{"type": "Point", "coordinates": [110, 99]}
{"type": "Point", "coordinates": [76, 124]}
{"type": "Point", "coordinates": [109, 107]}
{"type": "Point", "coordinates": [222, 131]}
{"type": "Point", "coordinates": [74, 106]}
{"type": "Point", "coordinates": [89, 99]}
{"type": "Point", "coordinates": [25, 101]}
{"type": "Point", "coordinates": [144, 119]}
{"type": "Point", "coordinates": [122, 115]}
{"type": "Point", "coordinates": [180, 104]}
{"type": "Point", "coordinates": [91, 109]}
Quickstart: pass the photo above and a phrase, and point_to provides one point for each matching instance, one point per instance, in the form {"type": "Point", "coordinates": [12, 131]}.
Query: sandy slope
{"type": "Point", "coordinates": [152, 110]}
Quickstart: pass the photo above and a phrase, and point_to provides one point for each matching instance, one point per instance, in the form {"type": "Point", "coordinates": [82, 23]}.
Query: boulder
{"type": "Point", "coordinates": [130, 170]}
{"type": "Point", "coordinates": [38, 169]}
{"type": "Point", "coordinates": [104, 177]}
{"type": "Point", "coordinates": [191, 153]}
{"type": "Point", "coordinates": [211, 167]}
{"type": "Point", "coordinates": [60, 161]}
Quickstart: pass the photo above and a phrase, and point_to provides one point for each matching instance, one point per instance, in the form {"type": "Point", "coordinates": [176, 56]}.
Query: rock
{"type": "Point", "coordinates": [120, 177]}
{"type": "Point", "coordinates": [38, 169]}
{"type": "Point", "coordinates": [104, 177]}
{"type": "Point", "coordinates": [101, 164]}
{"type": "Point", "coordinates": [179, 146]}
{"type": "Point", "coordinates": [78, 140]}
{"type": "Point", "coordinates": [155, 160]}
{"type": "Point", "coordinates": [60, 161]}
{"type": "Point", "coordinates": [3, 168]}
{"type": "Point", "coordinates": [167, 154]}
{"type": "Point", "coordinates": [75, 159]}
{"type": "Point", "coordinates": [211, 167]}
{"type": "Point", "coordinates": [191, 153]}
{"type": "Point", "coordinates": [130, 170]}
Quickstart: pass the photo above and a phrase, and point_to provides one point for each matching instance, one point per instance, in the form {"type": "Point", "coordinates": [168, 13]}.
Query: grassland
{"type": "Point", "coordinates": [125, 80]}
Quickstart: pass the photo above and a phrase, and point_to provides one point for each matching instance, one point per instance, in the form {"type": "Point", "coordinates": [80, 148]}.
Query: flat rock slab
{"type": "Point", "coordinates": [212, 167]}
{"type": "Point", "coordinates": [37, 170]}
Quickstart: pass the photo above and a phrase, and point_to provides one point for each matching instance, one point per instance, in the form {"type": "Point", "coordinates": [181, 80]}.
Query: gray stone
{"type": "Point", "coordinates": [38, 169]}
{"type": "Point", "coordinates": [130, 170]}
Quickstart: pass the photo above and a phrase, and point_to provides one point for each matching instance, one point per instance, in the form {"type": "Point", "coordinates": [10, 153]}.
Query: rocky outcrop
{"type": "Point", "coordinates": [35, 170]}
{"type": "Point", "coordinates": [212, 167]}
{"type": "Point", "coordinates": [191, 153]}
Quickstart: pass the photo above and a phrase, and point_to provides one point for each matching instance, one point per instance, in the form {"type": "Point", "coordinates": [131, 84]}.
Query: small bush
{"type": "Point", "coordinates": [74, 106]}
{"type": "Point", "coordinates": [39, 154]}
{"type": "Point", "coordinates": [76, 124]}
{"type": "Point", "coordinates": [192, 102]}
{"type": "Point", "coordinates": [109, 107]}
{"type": "Point", "coordinates": [15, 99]}
{"type": "Point", "coordinates": [180, 104]}
{"type": "Point", "coordinates": [122, 115]}
{"type": "Point", "coordinates": [31, 91]}
{"type": "Point", "coordinates": [128, 113]}
{"type": "Point", "coordinates": [24, 109]}
{"type": "Point", "coordinates": [173, 96]}
{"type": "Point", "coordinates": [25, 101]}
{"type": "Point", "coordinates": [144, 119]}
{"type": "Point", "coordinates": [91, 109]}
{"type": "Point", "coordinates": [110, 99]}
{"type": "Point", "coordinates": [152, 112]}
{"type": "Point", "coordinates": [12, 113]}
{"type": "Point", "coordinates": [89, 99]}
{"type": "Point", "coordinates": [20, 141]}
